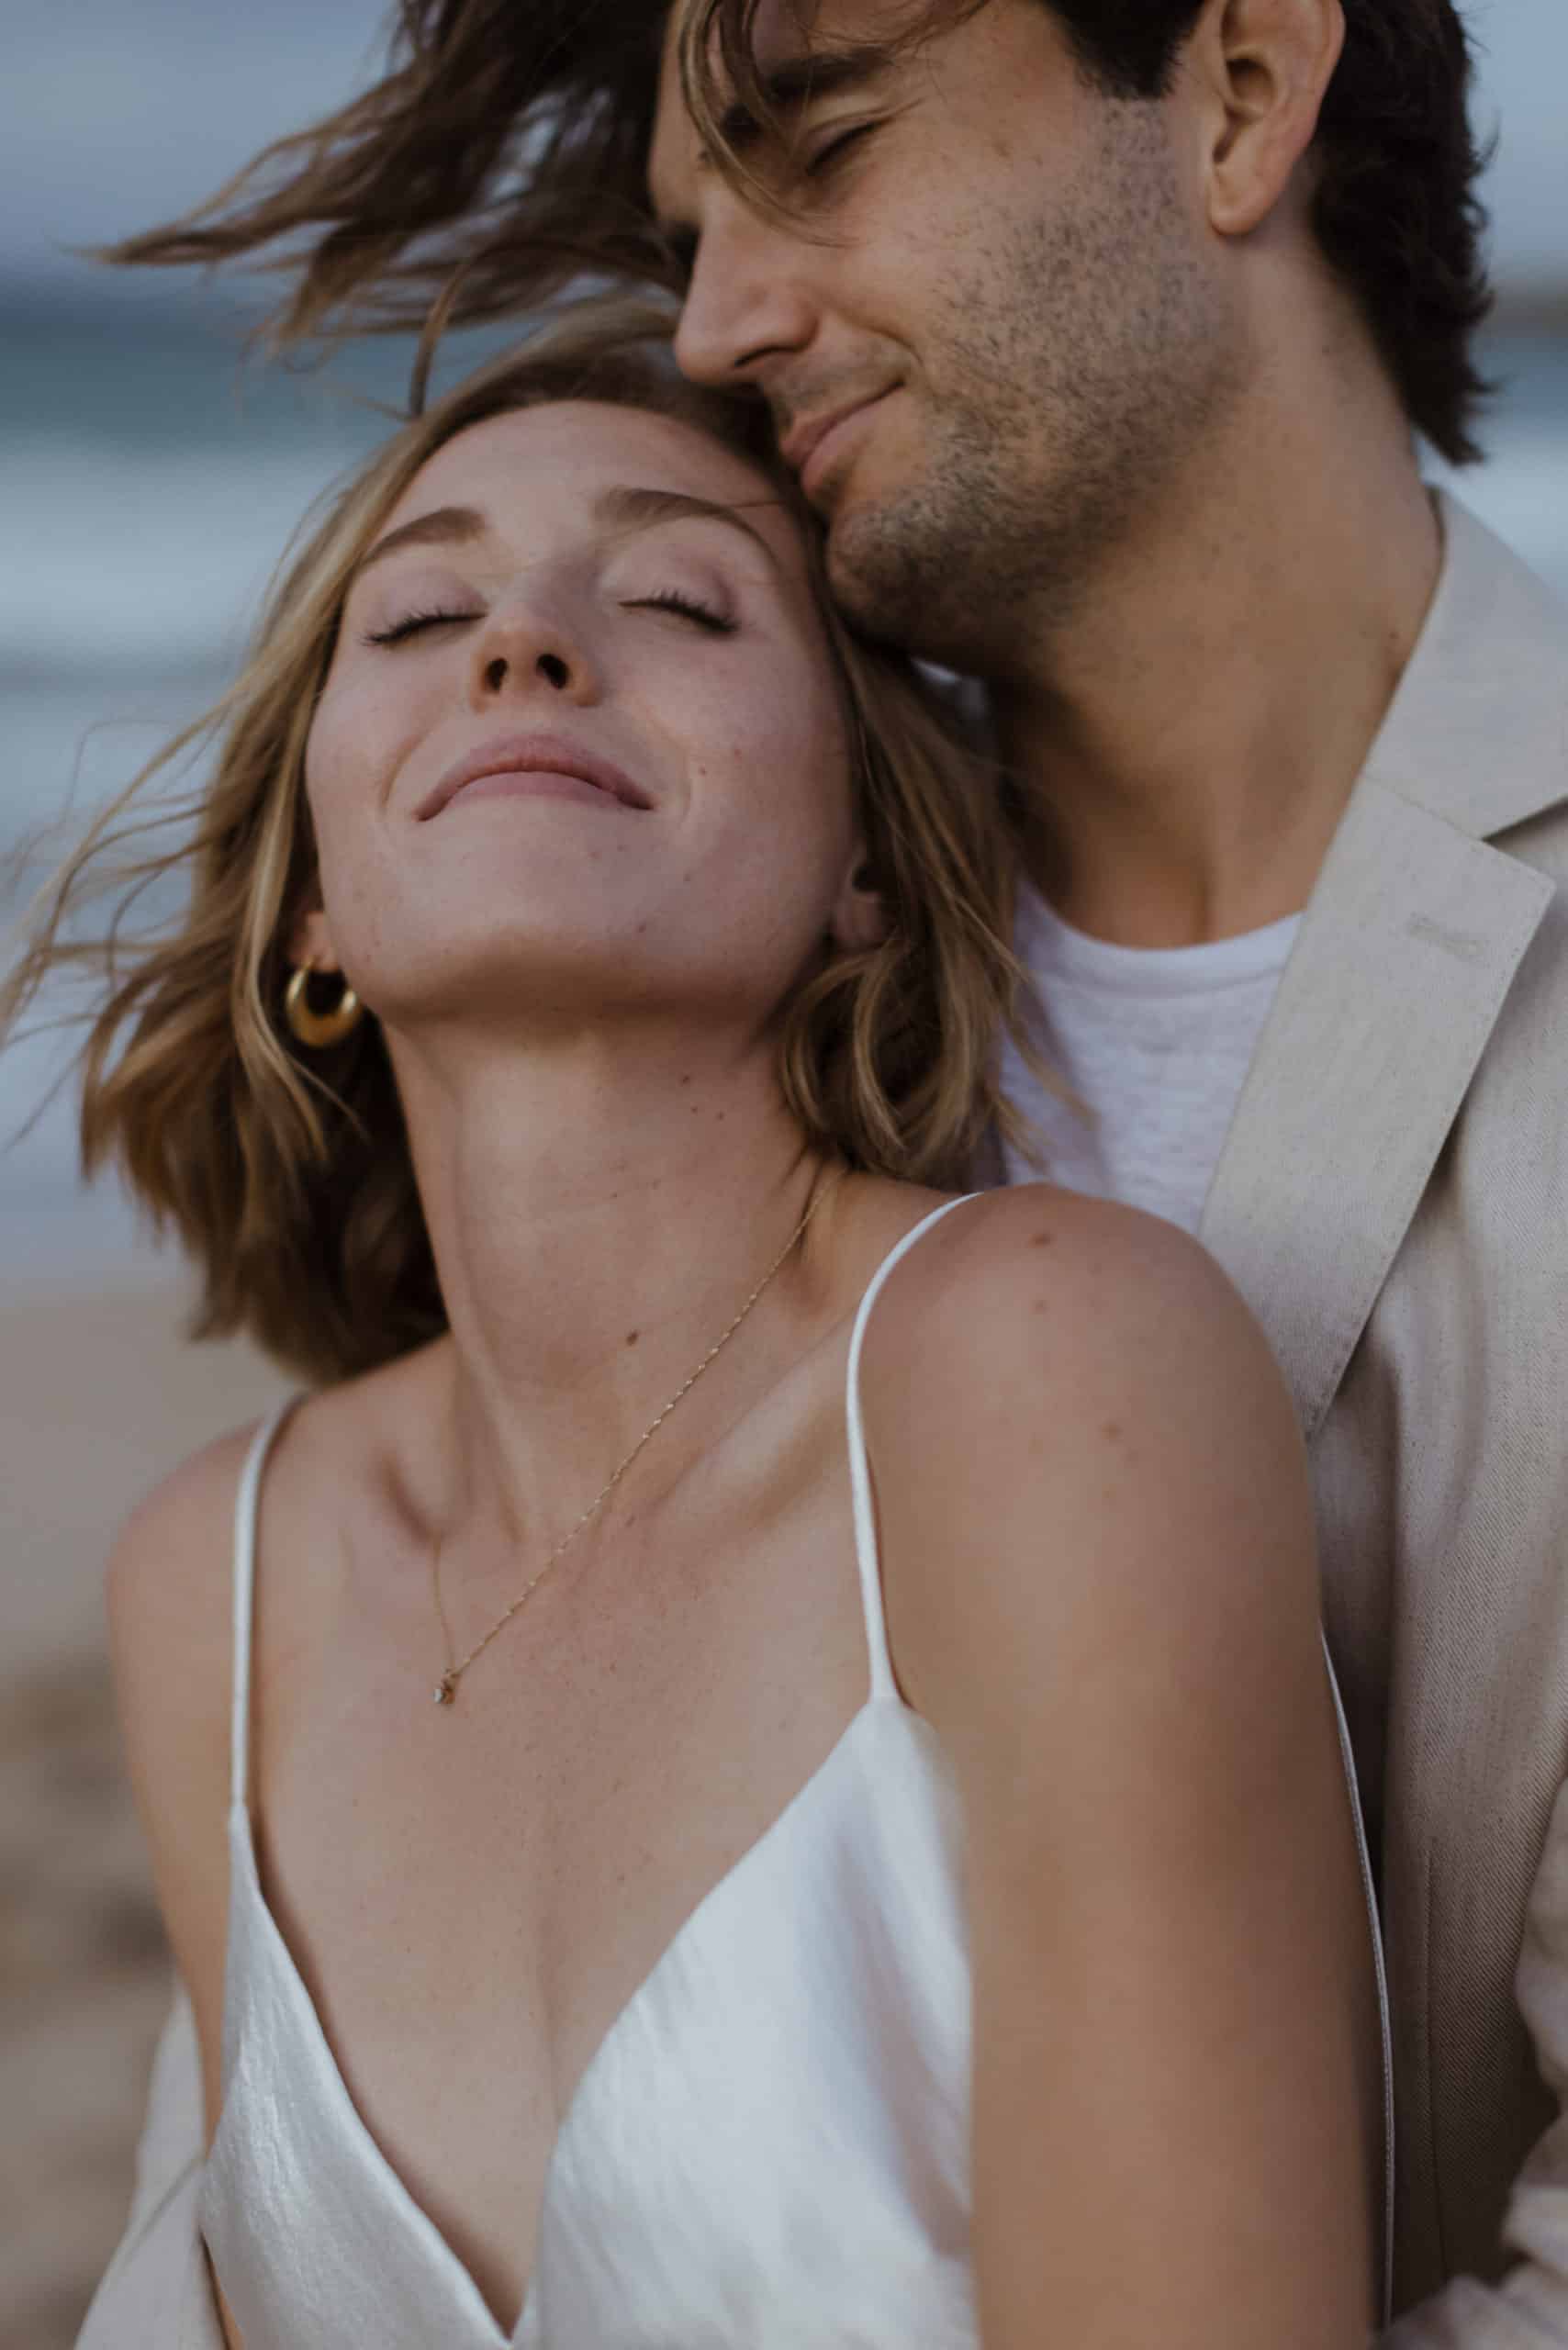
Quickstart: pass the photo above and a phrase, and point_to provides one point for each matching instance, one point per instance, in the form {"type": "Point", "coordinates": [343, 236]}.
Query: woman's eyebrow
{"type": "Point", "coordinates": [627, 508]}
{"type": "Point", "coordinates": [443, 526]}
{"type": "Point", "coordinates": [624, 507]}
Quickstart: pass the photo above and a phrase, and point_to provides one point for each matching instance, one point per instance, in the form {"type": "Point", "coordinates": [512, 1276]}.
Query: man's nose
{"type": "Point", "coordinates": [748, 309]}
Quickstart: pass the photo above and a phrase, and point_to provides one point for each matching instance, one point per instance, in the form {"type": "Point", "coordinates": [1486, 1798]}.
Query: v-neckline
{"type": "Point", "coordinates": [883, 1699]}
{"type": "Point", "coordinates": [367, 2146]}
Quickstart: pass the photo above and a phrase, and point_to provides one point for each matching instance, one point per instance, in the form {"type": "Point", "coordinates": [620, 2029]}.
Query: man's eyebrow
{"type": "Point", "coordinates": [443, 526]}
{"type": "Point", "coordinates": [627, 508]}
{"type": "Point", "coordinates": [791, 86]}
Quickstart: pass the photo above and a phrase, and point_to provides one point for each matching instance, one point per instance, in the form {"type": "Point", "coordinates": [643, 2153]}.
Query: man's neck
{"type": "Point", "coordinates": [1188, 743]}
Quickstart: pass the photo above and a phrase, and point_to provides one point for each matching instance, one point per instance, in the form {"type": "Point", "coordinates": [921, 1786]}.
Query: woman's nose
{"type": "Point", "coordinates": [524, 652]}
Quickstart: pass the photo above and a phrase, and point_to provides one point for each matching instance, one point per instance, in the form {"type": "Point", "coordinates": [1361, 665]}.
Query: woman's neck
{"type": "Point", "coordinates": [599, 1212]}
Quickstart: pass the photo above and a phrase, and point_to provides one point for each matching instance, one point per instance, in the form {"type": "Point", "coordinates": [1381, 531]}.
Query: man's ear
{"type": "Point", "coordinates": [310, 942]}
{"type": "Point", "coordinates": [1263, 66]}
{"type": "Point", "coordinates": [859, 918]}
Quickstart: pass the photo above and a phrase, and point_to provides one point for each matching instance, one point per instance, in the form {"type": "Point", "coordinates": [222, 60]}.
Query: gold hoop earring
{"type": "Point", "coordinates": [319, 1028]}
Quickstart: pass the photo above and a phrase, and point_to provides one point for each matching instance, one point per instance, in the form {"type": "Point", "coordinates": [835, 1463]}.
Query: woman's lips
{"type": "Point", "coordinates": [535, 766]}
{"type": "Point", "coordinates": [535, 783]}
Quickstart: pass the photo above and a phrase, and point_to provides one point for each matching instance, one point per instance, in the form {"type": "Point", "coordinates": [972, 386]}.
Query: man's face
{"type": "Point", "coordinates": [989, 325]}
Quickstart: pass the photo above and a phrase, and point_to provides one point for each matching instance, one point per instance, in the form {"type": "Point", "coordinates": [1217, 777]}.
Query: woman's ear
{"type": "Point", "coordinates": [859, 917]}
{"type": "Point", "coordinates": [310, 942]}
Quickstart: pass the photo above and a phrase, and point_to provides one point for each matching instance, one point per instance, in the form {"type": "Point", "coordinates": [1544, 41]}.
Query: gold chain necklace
{"type": "Point", "coordinates": [445, 1692]}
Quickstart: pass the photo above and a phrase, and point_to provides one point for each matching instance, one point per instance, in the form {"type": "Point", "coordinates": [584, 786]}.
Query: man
{"type": "Point", "coordinates": [1101, 334]}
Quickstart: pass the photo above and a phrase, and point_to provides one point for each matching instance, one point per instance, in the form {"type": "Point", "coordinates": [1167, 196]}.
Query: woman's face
{"type": "Point", "coordinates": [580, 744]}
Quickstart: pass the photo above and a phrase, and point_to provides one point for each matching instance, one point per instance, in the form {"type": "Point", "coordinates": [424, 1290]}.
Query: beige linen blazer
{"type": "Point", "coordinates": [1393, 1200]}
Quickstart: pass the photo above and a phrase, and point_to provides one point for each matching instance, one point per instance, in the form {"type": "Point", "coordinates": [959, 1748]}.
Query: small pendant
{"type": "Point", "coordinates": [446, 1689]}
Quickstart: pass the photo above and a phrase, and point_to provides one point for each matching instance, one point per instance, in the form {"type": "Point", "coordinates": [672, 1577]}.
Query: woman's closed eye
{"type": "Point", "coordinates": [413, 623]}
{"type": "Point", "coordinates": [685, 607]}
{"type": "Point", "coordinates": [679, 601]}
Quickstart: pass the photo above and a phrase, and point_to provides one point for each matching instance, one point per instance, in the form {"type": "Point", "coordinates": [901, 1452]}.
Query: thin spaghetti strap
{"type": "Point", "coordinates": [1380, 1970]}
{"type": "Point", "coordinates": [245, 1514]}
{"type": "Point", "coordinates": [883, 1685]}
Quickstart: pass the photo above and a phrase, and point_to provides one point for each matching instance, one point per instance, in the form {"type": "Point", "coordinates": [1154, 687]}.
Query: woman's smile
{"type": "Point", "coordinates": [534, 767]}
{"type": "Point", "coordinates": [534, 783]}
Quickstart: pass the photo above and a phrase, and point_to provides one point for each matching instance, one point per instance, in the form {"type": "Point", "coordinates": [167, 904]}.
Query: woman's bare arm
{"type": "Point", "coordinates": [1099, 1563]}
{"type": "Point", "coordinates": [170, 1600]}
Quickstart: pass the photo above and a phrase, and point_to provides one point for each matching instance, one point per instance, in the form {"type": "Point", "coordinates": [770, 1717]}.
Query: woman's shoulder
{"type": "Point", "coordinates": [171, 1568]}
{"type": "Point", "coordinates": [1040, 1280]}
{"type": "Point", "coordinates": [170, 1610]}
{"type": "Point", "coordinates": [1072, 1414]}
{"type": "Point", "coordinates": [169, 1583]}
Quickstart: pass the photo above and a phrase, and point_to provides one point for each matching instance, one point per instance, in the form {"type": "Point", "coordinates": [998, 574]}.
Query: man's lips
{"type": "Point", "coordinates": [806, 438]}
{"type": "Point", "coordinates": [507, 754]}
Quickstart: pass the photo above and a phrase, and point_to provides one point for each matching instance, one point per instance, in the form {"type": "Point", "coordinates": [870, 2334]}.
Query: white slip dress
{"type": "Point", "coordinates": [770, 2145]}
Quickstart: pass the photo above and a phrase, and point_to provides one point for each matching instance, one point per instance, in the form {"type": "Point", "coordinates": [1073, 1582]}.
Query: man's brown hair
{"type": "Point", "coordinates": [504, 152]}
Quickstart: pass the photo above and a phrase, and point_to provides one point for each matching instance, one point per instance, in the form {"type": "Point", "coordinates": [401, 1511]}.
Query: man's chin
{"type": "Point", "coordinates": [883, 583]}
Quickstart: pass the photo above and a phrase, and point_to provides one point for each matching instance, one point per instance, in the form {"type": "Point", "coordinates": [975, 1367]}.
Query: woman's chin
{"type": "Point", "coordinates": [540, 986]}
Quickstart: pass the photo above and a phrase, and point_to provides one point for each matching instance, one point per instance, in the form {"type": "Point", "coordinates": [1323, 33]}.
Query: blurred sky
{"type": "Point", "coordinates": [118, 113]}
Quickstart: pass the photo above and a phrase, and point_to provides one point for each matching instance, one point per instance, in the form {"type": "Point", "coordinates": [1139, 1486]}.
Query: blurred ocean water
{"type": "Point", "coordinates": [149, 483]}
{"type": "Point", "coordinates": [150, 480]}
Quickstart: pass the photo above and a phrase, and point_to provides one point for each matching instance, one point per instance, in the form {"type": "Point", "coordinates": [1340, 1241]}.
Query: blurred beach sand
{"type": "Point", "coordinates": [99, 1395]}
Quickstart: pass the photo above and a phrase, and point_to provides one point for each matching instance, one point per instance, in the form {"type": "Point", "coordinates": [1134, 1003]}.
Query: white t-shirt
{"type": "Point", "coordinates": [1155, 1042]}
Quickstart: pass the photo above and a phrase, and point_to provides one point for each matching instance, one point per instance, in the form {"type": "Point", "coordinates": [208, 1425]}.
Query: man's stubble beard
{"type": "Point", "coordinates": [1067, 385]}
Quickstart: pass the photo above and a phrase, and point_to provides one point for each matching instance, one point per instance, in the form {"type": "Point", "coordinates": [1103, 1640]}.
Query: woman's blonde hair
{"type": "Point", "coordinates": [288, 1177]}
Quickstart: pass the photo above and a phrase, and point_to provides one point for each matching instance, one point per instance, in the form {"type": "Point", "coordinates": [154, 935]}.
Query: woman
{"type": "Point", "coordinates": [875, 1880]}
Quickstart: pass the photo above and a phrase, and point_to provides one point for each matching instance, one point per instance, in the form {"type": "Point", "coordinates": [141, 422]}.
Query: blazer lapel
{"type": "Point", "coordinates": [1407, 952]}
{"type": "Point", "coordinates": [1404, 957]}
